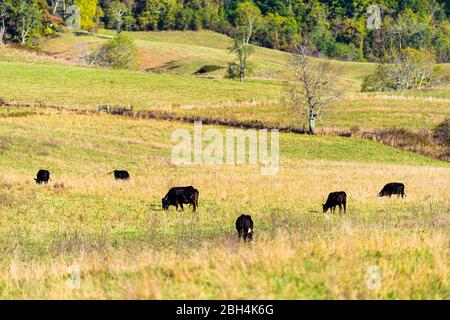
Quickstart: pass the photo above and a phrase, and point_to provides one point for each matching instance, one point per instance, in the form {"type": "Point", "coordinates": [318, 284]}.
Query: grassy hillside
{"type": "Point", "coordinates": [365, 111]}
{"type": "Point", "coordinates": [184, 53]}
{"type": "Point", "coordinates": [75, 86]}
{"type": "Point", "coordinates": [126, 247]}
{"type": "Point", "coordinates": [31, 78]}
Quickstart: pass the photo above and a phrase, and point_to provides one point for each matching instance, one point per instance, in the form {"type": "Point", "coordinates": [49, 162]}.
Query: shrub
{"type": "Point", "coordinates": [379, 81]}
{"type": "Point", "coordinates": [345, 52]}
{"type": "Point", "coordinates": [323, 41]}
{"type": "Point", "coordinates": [233, 70]}
{"type": "Point", "coordinates": [119, 53]}
{"type": "Point", "coordinates": [412, 69]}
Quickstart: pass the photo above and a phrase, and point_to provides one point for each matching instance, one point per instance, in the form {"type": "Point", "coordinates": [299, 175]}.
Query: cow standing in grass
{"type": "Point", "coordinates": [120, 174]}
{"type": "Point", "coordinates": [244, 227]}
{"type": "Point", "coordinates": [393, 188]}
{"type": "Point", "coordinates": [334, 199]}
{"type": "Point", "coordinates": [177, 196]}
{"type": "Point", "coordinates": [42, 176]}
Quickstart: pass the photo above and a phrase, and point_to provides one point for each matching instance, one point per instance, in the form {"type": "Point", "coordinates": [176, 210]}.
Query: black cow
{"type": "Point", "coordinates": [393, 188]}
{"type": "Point", "coordinates": [244, 227]}
{"type": "Point", "coordinates": [120, 174]}
{"type": "Point", "coordinates": [177, 196]}
{"type": "Point", "coordinates": [42, 176]}
{"type": "Point", "coordinates": [334, 199]}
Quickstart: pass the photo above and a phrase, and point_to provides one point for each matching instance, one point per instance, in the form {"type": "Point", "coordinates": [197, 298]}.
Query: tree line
{"type": "Point", "coordinates": [335, 28]}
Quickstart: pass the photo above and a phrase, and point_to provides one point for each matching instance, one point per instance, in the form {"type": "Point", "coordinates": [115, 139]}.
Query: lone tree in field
{"type": "Point", "coordinates": [247, 15]}
{"type": "Point", "coordinates": [313, 89]}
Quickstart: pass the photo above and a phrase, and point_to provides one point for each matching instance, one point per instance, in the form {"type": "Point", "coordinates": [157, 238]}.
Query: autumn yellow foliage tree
{"type": "Point", "coordinates": [88, 10]}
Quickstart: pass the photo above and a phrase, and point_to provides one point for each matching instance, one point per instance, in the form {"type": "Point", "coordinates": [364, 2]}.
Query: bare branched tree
{"type": "Point", "coordinates": [313, 89]}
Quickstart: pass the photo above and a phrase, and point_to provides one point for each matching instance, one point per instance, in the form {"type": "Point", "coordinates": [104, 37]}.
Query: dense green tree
{"type": "Point", "coordinates": [334, 28]}
{"type": "Point", "coordinates": [22, 19]}
{"type": "Point", "coordinates": [441, 42]}
{"type": "Point", "coordinates": [278, 32]}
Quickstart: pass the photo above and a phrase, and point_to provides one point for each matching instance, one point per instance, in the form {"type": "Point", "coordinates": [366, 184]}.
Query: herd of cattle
{"type": "Point", "coordinates": [177, 196]}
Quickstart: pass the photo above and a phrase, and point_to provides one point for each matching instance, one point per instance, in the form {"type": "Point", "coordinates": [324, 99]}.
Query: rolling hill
{"type": "Point", "coordinates": [184, 53]}
{"type": "Point", "coordinates": [166, 82]}
{"type": "Point", "coordinates": [113, 235]}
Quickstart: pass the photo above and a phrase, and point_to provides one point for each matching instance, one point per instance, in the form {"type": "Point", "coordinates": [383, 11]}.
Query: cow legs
{"type": "Point", "coordinates": [340, 209]}
{"type": "Point", "coordinates": [246, 237]}
{"type": "Point", "coordinates": [345, 207]}
{"type": "Point", "coordinates": [181, 205]}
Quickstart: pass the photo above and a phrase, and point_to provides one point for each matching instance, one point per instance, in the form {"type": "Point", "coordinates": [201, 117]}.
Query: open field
{"type": "Point", "coordinates": [38, 80]}
{"type": "Point", "coordinates": [184, 53]}
{"type": "Point", "coordinates": [126, 247]}
{"type": "Point", "coordinates": [75, 86]}
{"type": "Point", "coordinates": [441, 91]}
{"type": "Point", "coordinates": [364, 111]}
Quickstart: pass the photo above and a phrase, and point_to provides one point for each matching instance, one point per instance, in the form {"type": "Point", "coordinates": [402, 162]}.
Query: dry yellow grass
{"type": "Point", "coordinates": [126, 247]}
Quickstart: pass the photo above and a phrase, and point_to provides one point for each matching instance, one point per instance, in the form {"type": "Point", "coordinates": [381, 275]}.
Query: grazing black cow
{"type": "Point", "coordinates": [334, 199]}
{"type": "Point", "coordinates": [244, 227]}
{"type": "Point", "coordinates": [393, 188]}
{"type": "Point", "coordinates": [42, 176]}
{"type": "Point", "coordinates": [120, 174]}
{"type": "Point", "coordinates": [177, 196]}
